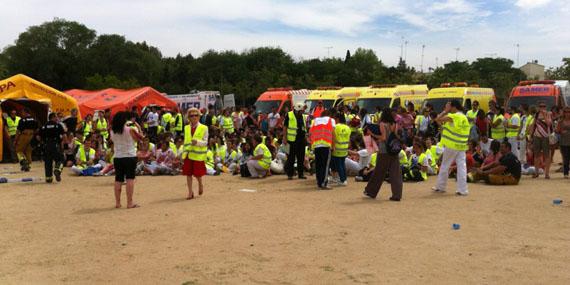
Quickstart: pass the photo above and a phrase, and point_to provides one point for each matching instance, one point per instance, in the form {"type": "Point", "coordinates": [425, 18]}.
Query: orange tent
{"type": "Point", "coordinates": [118, 99]}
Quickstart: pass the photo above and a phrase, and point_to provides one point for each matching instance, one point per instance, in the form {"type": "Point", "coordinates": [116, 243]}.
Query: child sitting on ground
{"type": "Point", "coordinates": [85, 160]}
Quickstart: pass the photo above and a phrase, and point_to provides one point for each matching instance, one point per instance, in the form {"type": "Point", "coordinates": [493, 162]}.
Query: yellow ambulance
{"type": "Point", "coordinates": [461, 91]}
{"type": "Point", "coordinates": [392, 95]}
{"type": "Point", "coordinates": [333, 96]}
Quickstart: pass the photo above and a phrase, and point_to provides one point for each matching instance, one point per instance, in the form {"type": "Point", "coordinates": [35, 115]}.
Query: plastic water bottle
{"type": "Point", "coordinates": [557, 201]}
{"type": "Point", "coordinates": [456, 226]}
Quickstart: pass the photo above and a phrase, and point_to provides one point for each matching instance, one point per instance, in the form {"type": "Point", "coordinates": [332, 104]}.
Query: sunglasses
{"type": "Point", "coordinates": [193, 116]}
{"type": "Point", "coordinates": [542, 106]}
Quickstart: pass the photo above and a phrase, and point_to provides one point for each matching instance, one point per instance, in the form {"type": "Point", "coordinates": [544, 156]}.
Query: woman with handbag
{"type": "Point", "coordinates": [387, 161]}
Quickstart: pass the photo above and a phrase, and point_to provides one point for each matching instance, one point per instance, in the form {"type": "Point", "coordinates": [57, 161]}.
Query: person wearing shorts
{"type": "Point", "coordinates": [125, 135]}
{"type": "Point", "coordinates": [195, 150]}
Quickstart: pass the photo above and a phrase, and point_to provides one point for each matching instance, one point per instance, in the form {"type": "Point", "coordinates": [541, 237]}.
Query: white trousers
{"type": "Point", "coordinates": [515, 146]}
{"type": "Point", "coordinates": [352, 167]}
{"type": "Point", "coordinates": [255, 169]}
{"type": "Point", "coordinates": [450, 156]}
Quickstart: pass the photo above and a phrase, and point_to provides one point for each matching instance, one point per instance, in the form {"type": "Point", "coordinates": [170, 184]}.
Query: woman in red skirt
{"type": "Point", "coordinates": [195, 149]}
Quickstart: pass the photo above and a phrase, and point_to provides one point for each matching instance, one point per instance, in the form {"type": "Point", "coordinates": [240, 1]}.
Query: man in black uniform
{"type": "Point", "coordinates": [294, 135]}
{"type": "Point", "coordinates": [51, 135]}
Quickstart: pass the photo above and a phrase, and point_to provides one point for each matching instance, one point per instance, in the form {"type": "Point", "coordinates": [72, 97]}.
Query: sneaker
{"type": "Point", "coordinates": [57, 174]}
{"type": "Point", "coordinates": [394, 199]}
{"type": "Point", "coordinates": [49, 179]}
{"type": "Point", "coordinates": [302, 177]}
{"type": "Point", "coordinates": [332, 179]}
{"type": "Point", "coordinates": [437, 190]}
{"type": "Point", "coordinates": [343, 183]}
{"type": "Point", "coordinates": [359, 178]}
{"type": "Point", "coordinates": [290, 178]}
{"type": "Point", "coordinates": [461, 194]}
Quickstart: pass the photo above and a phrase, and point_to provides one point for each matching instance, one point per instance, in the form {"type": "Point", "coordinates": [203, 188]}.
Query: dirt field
{"type": "Point", "coordinates": [285, 233]}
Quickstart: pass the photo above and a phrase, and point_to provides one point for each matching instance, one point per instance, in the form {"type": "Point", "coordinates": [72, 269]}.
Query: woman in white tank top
{"type": "Point", "coordinates": [125, 135]}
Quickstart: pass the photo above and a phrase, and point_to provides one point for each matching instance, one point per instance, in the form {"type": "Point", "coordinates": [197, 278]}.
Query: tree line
{"type": "Point", "coordinates": [67, 54]}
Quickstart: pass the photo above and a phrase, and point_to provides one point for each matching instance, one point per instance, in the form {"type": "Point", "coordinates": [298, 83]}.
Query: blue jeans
{"type": "Point", "coordinates": [339, 166]}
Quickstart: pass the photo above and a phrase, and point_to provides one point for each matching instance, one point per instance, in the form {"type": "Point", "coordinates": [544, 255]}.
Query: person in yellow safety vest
{"type": "Point", "coordinates": [526, 118]}
{"type": "Point", "coordinates": [177, 124]}
{"type": "Point", "coordinates": [433, 155]}
{"type": "Point", "coordinates": [102, 125]}
{"type": "Point", "coordinates": [472, 114]}
{"type": "Point", "coordinates": [294, 135]}
{"type": "Point", "coordinates": [194, 151]}
{"type": "Point", "coordinates": [422, 122]}
{"type": "Point", "coordinates": [227, 122]}
{"type": "Point", "coordinates": [258, 165]}
{"type": "Point", "coordinates": [165, 120]}
{"type": "Point", "coordinates": [403, 159]}
{"type": "Point", "coordinates": [454, 139]}
{"type": "Point", "coordinates": [512, 127]}
{"type": "Point", "coordinates": [497, 124]}
{"type": "Point", "coordinates": [233, 157]}
{"type": "Point", "coordinates": [341, 139]}
{"type": "Point", "coordinates": [418, 164]}
{"type": "Point", "coordinates": [12, 122]}
{"type": "Point", "coordinates": [85, 157]}
{"type": "Point", "coordinates": [87, 125]}
{"type": "Point", "coordinates": [321, 138]}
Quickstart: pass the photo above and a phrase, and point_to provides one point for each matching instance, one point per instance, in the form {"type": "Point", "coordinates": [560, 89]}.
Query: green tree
{"type": "Point", "coordinates": [123, 59]}
{"type": "Point", "coordinates": [54, 52]}
{"type": "Point", "coordinates": [97, 82]}
{"type": "Point", "coordinates": [560, 73]}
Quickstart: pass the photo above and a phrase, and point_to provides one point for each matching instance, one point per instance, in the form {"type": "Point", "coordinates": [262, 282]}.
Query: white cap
{"type": "Point", "coordinates": [299, 106]}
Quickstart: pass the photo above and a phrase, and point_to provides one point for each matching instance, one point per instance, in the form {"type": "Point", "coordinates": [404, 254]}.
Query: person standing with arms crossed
{"type": "Point", "coordinates": [195, 151]}
{"type": "Point", "coordinates": [321, 137]}
{"type": "Point", "coordinates": [294, 135]}
{"type": "Point", "coordinates": [454, 140]}
{"type": "Point", "coordinates": [51, 134]}
{"type": "Point", "coordinates": [125, 135]}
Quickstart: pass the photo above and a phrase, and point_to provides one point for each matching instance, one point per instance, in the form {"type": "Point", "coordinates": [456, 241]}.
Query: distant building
{"type": "Point", "coordinates": [533, 70]}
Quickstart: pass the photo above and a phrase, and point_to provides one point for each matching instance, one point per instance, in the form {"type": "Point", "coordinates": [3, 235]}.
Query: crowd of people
{"type": "Point", "coordinates": [396, 144]}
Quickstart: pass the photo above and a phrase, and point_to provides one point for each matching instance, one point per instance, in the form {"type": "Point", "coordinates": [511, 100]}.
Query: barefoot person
{"type": "Point", "coordinates": [195, 150]}
{"type": "Point", "coordinates": [124, 135]}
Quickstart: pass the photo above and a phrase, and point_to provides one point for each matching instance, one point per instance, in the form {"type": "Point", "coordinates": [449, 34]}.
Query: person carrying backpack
{"type": "Point", "coordinates": [387, 160]}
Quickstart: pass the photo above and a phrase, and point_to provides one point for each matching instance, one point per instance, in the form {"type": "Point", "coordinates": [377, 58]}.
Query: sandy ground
{"type": "Point", "coordinates": [285, 233]}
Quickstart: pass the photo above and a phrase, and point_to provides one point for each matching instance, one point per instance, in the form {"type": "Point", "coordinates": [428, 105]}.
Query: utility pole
{"type": "Point", "coordinates": [456, 54]}
{"type": "Point", "coordinates": [436, 62]}
{"type": "Point", "coordinates": [405, 50]}
{"type": "Point", "coordinates": [518, 54]}
{"type": "Point", "coordinates": [402, 49]}
{"type": "Point", "coordinates": [328, 51]}
{"type": "Point", "coordinates": [422, 62]}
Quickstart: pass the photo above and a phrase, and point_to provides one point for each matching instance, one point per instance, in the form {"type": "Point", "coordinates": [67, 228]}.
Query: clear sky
{"type": "Point", "coordinates": [309, 29]}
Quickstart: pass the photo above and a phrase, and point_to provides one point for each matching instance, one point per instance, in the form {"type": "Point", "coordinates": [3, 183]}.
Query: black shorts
{"type": "Point", "coordinates": [125, 167]}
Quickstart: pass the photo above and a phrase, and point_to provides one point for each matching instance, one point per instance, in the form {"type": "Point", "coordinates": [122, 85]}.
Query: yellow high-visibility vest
{"type": "Point", "coordinates": [456, 134]}
{"type": "Point", "coordinates": [195, 152]}
{"type": "Point", "coordinates": [12, 125]}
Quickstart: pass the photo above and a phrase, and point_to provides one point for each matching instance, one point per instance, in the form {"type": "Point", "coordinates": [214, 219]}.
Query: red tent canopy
{"type": "Point", "coordinates": [118, 99]}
